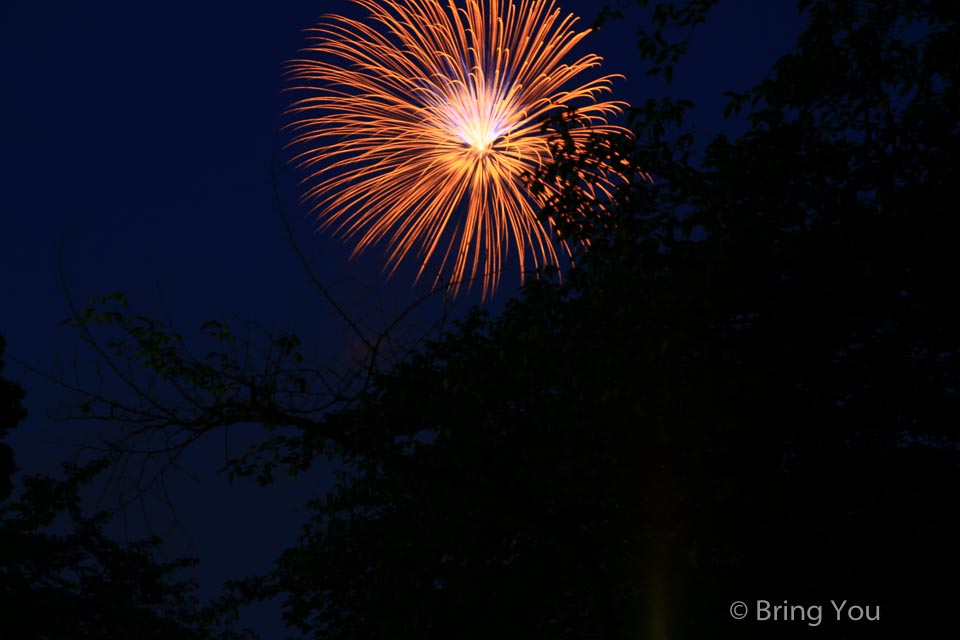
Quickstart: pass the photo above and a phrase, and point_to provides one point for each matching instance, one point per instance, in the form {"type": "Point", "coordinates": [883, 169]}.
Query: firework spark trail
{"type": "Point", "coordinates": [431, 105]}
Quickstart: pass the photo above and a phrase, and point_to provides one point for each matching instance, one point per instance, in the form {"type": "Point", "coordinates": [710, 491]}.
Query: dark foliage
{"type": "Point", "coordinates": [11, 413]}
{"type": "Point", "coordinates": [62, 578]}
{"type": "Point", "coordinates": [746, 390]}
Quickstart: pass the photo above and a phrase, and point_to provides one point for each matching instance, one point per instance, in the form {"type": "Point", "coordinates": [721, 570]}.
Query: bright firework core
{"type": "Point", "coordinates": [421, 126]}
{"type": "Point", "coordinates": [479, 134]}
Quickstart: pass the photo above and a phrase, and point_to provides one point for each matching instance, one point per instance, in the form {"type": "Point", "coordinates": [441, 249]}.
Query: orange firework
{"type": "Point", "coordinates": [423, 125]}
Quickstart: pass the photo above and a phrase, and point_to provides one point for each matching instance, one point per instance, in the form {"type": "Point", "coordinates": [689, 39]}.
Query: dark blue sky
{"type": "Point", "coordinates": [140, 136]}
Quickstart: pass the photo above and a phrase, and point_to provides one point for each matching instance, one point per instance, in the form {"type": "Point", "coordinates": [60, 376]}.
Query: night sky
{"type": "Point", "coordinates": [137, 146]}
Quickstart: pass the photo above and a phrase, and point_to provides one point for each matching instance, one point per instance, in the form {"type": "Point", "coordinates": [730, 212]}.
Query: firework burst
{"type": "Point", "coordinates": [422, 126]}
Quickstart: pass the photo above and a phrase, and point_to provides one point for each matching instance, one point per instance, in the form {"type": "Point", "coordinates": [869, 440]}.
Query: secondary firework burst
{"type": "Point", "coordinates": [421, 126]}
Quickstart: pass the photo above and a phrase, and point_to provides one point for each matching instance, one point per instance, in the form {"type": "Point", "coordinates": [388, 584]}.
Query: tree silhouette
{"type": "Point", "coordinates": [62, 578]}
{"type": "Point", "coordinates": [11, 413]}
{"type": "Point", "coordinates": [745, 390]}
